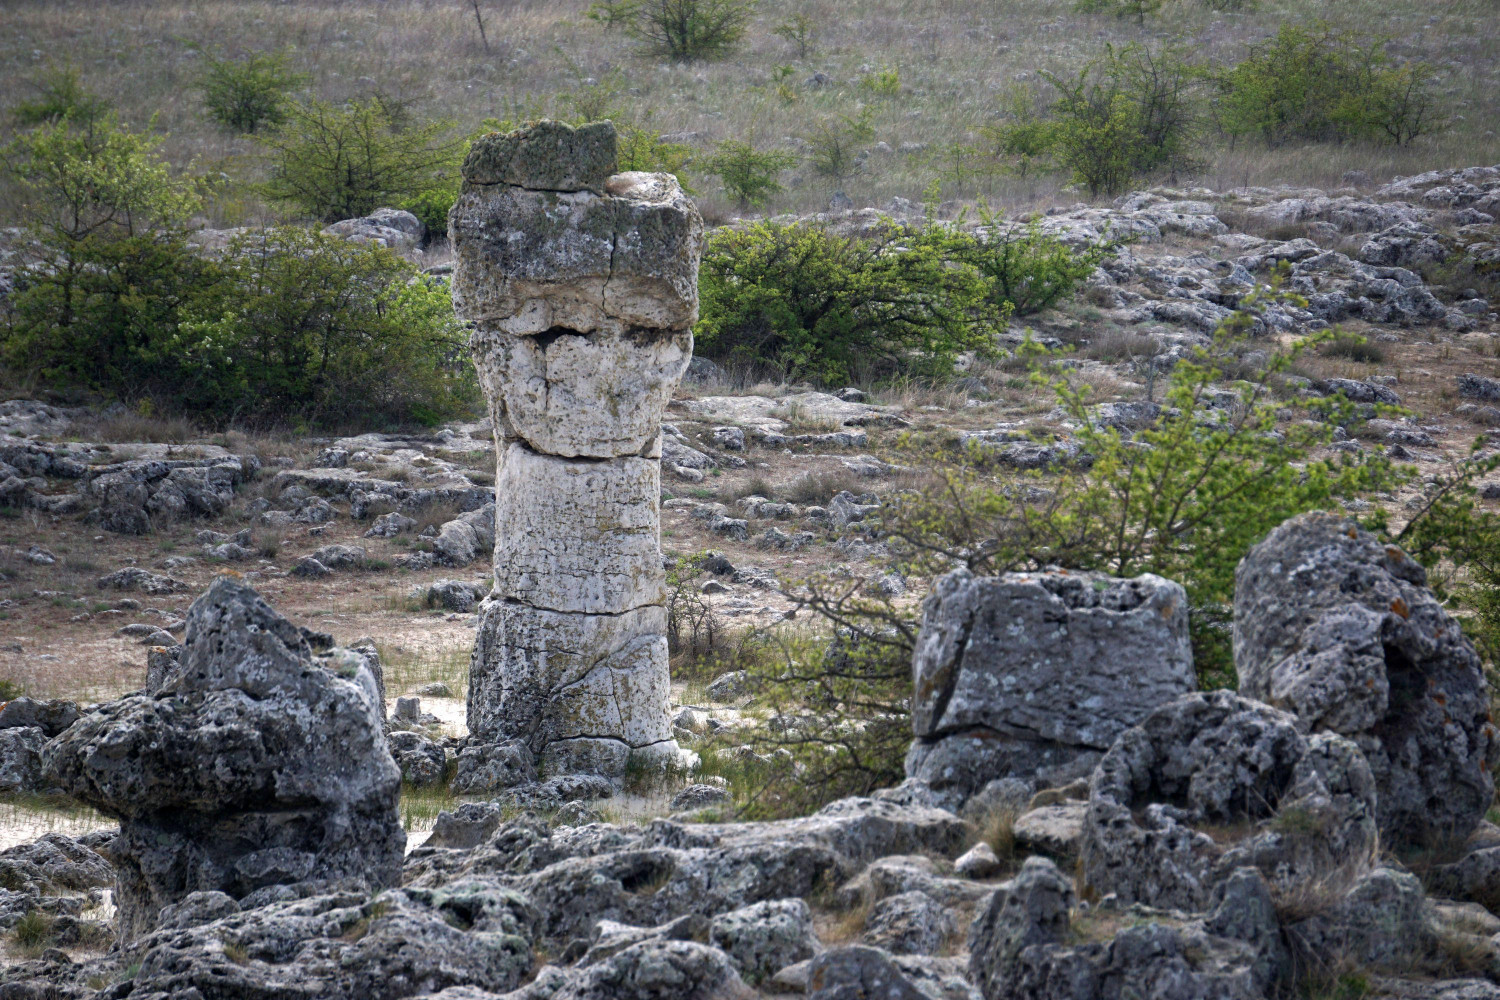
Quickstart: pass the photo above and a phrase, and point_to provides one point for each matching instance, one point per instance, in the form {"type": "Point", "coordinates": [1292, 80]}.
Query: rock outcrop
{"type": "Point", "coordinates": [1343, 632]}
{"type": "Point", "coordinates": [1032, 676]}
{"type": "Point", "coordinates": [581, 285]}
{"type": "Point", "coordinates": [253, 763]}
{"type": "Point", "coordinates": [1215, 782]}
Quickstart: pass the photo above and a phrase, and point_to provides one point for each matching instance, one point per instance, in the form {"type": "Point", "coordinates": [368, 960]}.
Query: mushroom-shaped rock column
{"type": "Point", "coordinates": [581, 285]}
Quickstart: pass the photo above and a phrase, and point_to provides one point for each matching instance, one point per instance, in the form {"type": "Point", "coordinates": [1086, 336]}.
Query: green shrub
{"type": "Point", "coordinates": [244, 95]}
{"type": "Point", "coordinates": [1314, 83]}
{"type": "Point", "coordinates": [819, 305]}
{"type": "Point", "coordinates": [690, 29]}
{"type": "Point", "coordinates": [1132, 111]}
{"type": "Point", "coordinates": [1027, 270]}
{"type": "Point", "coordinates": [882, 83]}
{"type": "Point", "coordinates": [60, 94]}
{"type": "Point", "coordinates": [1023, 136]}
{"type": "Point", "coordinates": [612, 13]}
{"type": "Point", "coordinates": [801, 31]}
{"type": "Point", "coordinates": [331, 163]}
{"type": "Point", "coordinates": [315, 328]}
{"type": "Point", "coordinates": [1352, 347]}
{"type": "Point", "coordinates": [748, 174]}
{"type": "Point", "coordinates": [834, 144]}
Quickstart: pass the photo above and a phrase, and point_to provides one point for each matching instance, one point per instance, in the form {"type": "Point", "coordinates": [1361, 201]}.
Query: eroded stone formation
{"type": "Point", "coordinates": [1026, 679]}
{"type": "Point", "coordinates": [251, 763]}
{"type": "Point", "coordinates": [581, 285]}
{"type": "Point", "coordinates": [1342, 631]}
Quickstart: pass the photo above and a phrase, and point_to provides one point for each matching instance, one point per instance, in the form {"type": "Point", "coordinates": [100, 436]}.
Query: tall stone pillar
{"type": "Point", "coordinates": [582, 288]}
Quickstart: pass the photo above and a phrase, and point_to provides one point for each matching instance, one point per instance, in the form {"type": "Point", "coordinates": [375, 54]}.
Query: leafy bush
{"type": "Point", "coordinates": [882, 83]}
{"type": "Point", "coordinates": [314, 327]}
{"type": "Point", "coordinates": [332, 163]}
{"type": "Point", "coordinates": [800, 30]}
{"type": "Point", "coordinates": [1132, 111]}
{"type": "Point", "coordinates": [612, 13]}
{"type": "Point", "coordinates": [1317, 84]}
{"type": "Point", "coordinates": [748, 174]}
{"type": "Point", "coordinates": [1023, 136]}
{"type": "Point", "coordinates": [60, 94]}
{"type": "Point", "coordinates": [819, 305]}
{"type": "Point", "coordinates": [690, 29]}
{"type": "Point", "coordinates": [1027, 270]}
{"type": "Point", "coordinates": [244, 95]}
{"type": "Point", "coordinates": [834, 144]}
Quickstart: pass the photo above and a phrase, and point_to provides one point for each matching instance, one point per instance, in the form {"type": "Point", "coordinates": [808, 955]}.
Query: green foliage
{"type": "Point", "coordinates": [819, 305]}
{"type": "Point", "coordinates": [285, 324]}
{"type": "Point", "coordinates": [1027, 270]}
{"type": "Point", "coordinates": [1184, 498]}
{"type": "Point", "coordinates": [331, 163]}
{"type": "Point", "coordinates": [1314, 83]}
{"type": "Point", "coordinates": [1022, 136]}
{"type": "Point", "coordinates": [1132, 111]}
{"type": "Point", "coordinates": [801, 31]}
{"type": "Point", "coordinates": [882, 83]}
{"type": "Point", "coordinates": [640, 147]}
{"type": "Point", "coordinates": [245, 95]}
{"type": "Point", "coordinates": [59, 93]}
{"type": "Point", "coordinates": [834, 144]}
{"type": "Point", "coordinates": [749, 175]}
{"type": "Point", "coordinates": [9, 689]}
{"type": "Point", "coordinates": [34, 930]}
{"type": "Point", "coordinates": [95, 179]}
{"type": "Point", "coordinates": [312, 326]}
{"type": "Point", "coordinates": [687, 30]}
{"type": "Point", "coordinates": [612, 13]}
{"type": "Point", "coordinates": [1352, 346]}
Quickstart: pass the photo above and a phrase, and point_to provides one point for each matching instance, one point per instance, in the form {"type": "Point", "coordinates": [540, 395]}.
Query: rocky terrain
{"type": "Point", "coordinates": [249, 657]}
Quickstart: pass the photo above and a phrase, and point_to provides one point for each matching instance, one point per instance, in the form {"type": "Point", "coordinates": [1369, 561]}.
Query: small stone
{"type": "Point", "coordinates": [978, 862]}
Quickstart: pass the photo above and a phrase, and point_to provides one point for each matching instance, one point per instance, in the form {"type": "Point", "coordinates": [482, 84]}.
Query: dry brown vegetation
{"type": "Point", "coordinates": [956, 61]}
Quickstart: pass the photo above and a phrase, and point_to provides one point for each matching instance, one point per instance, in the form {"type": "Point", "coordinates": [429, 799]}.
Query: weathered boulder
{"type": "Point", "coordinates": [21, 759]}
{"type": "Point", "coordinates": [648, 876]}
{"type": "Point", "coordinates": [1216, 782]}
{"type": "Point", "coordinates": [1023, 947]}
{"type": "Point", "coordinates": [51, 716]}
{"type": "Point", "coordinates": [393, 228]}
{"type": "Point", "coordinates": [908, 923]}
{"type": "Point", "coordinates": [1038, 673]}
{"type": "Point", "coordinates": [301, 784]}
{"type": "Point", "coordinates": [764, 938]}
{"type": "Point", "coordinates": [341, 942]}
{"type": "Point", "coordinates": [1342, 631]}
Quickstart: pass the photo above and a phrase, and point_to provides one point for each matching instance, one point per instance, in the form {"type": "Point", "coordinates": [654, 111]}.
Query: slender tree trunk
{"type": "Point", "coordinates": [479, 19]}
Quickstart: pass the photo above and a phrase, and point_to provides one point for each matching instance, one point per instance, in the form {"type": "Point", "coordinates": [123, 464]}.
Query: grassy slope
{"type": "Point", "coordinates": [955, 58]}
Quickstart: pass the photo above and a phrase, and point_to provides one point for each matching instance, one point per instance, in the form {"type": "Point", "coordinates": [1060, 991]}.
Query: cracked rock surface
{"type": "Point", "coordinates": [581, 285]}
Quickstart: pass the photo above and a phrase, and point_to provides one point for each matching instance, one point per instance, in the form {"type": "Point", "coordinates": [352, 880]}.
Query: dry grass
{"type": "Point", "coordinates": [955, 59]}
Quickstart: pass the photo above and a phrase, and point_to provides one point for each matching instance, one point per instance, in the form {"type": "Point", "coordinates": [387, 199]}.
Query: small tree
{"type": "Point", "coordinates": [1028, 270]}
{"type": "Point", "coordinates": [686, 30]}
{"type": "Point", "coordinates": [245, 95]}
{"type": "Point", "coordinates": [99, 301]}
{"type": "Point", "coordinates": [748, 174]}
{"type": "Point", "coordinates": [311, 326]}
{"type": "Point", "coordinates": [834, 144]}
{"type": "Point", "coordinates": [335, 163]}
{"type": "Point", "coordinates": [60, 93]}
{"type": "Point", "coordinates": [816, 304]}
{"type": "Point", "coordinates": [801, 31]}
{"type": "Point", "coordinates": [1096, 139]}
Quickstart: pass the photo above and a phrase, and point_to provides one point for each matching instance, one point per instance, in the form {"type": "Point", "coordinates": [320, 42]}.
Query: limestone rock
{"type": "Point", "coordinates": [542, 676]}
{"type": "Point", "coordinates": [1301, 809]}
{"type": "Point", "coordinates": [583, 394]}
{"type": "Point", "coordinates": [763, 938]}
{"type": "Point", "coordinates": [1041, 667]}
{"type": "Point", "coordinates": [301, 785]}
{"type": "Point", "coordinates": [534, 261]}
{"type": "Point", "coordinates": [1055, 830]}
{"type": "Point", "coordinates": [580, 535]}
{"type": "Point", "coordinates": [1343, 631]}
{"type": "Point", "coordinates": [1020, 948]}
{"type": "Point", "coordinates": [908, 923]}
